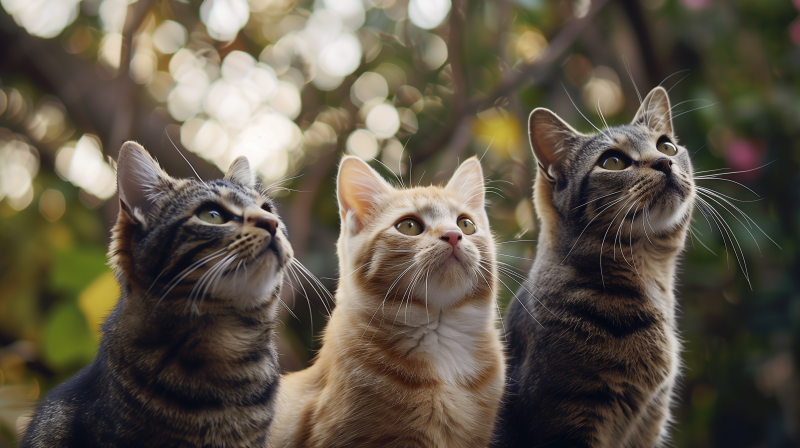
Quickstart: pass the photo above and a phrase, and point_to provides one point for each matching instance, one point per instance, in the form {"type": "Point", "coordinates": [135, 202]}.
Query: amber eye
{"type": "Point", "coordinates": [213, 214]}
{"type": "Point", "coordinates": [410, 227]}
{"type": "Point", "coordinates": [666, 147]}
{"type": "Point", "coordinates": [614, 160]}
{"type": "Point", "coordinates": [466, 225]}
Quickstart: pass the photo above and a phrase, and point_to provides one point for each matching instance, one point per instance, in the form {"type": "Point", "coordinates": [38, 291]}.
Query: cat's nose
{"type": "Point", "coordinates": [452, 237]}
{"type": "Point", "coordinates": [266, 221]}
{"type": "Point", "coordinates": [663, 164]}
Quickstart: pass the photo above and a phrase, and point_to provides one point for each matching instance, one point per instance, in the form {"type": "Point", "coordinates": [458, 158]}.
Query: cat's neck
{"type": "Point", "coordinates": [447, 339]}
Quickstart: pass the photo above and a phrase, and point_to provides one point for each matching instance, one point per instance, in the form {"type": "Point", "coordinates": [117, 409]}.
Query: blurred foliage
{"type": "Point", "coordinates": [418, 85]}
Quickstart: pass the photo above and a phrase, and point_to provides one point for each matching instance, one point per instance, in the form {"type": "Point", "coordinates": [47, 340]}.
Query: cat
{"type": "Point", "coordinates": [186, 357]}
{"type": "Point", "coordinates": [410, 356]}
{"type": "Point", "coordinates": [593, 344]}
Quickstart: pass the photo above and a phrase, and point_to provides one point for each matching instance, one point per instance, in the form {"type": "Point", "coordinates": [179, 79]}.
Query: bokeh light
{"type": "Point", "coordinates": [43, 18]}
{"type": "Point", "coordinates": [82, 164]}
{"type": "Point", "coordinates": [224, 18]}
{"type": "Point", "coordinates": [19, 164]}
{"type": "Point", "coordinates": [428, 14]}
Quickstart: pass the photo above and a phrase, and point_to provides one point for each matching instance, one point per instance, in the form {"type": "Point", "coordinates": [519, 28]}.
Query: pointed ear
{"type": "Point", "coordinates": [357, 187]}
{"type": "Point", "coordinates": [548, 132]}
{"type": "Point", "coordinates": [138, 180]}
{"type": "Point", "coordinates": [239, 172]}
{"type": "Point", "coordinates": [655, 111]}
{"type": "Point", "coordinates": [467, 182]}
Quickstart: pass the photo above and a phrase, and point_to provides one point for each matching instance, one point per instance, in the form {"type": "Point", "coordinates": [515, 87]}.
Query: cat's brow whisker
{"type": "Point", "coordinates": [692, 110]}
{"type": "Point", "coordinates": [673, 74]}
{"type": "Point", "coordinates": [579, 111]}
{"type": "Point", "coordinates": [630, 75]}
{"type": "Point", "coordinates": [184, 157]}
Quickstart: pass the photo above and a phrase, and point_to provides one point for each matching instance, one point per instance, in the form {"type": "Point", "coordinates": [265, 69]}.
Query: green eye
{"type": "Point", "coordinates": [213, 214]}
{"type": "Point", "coordinates": [614, 164]}
{"type": "Point", "coordinates": [667, 148]}
{"type": "Point", "coordinates": [408, 226]}
{"type": "Point", "coordinates": [614, 160]}
{"type": "Point", "coordinates": [467, 226]}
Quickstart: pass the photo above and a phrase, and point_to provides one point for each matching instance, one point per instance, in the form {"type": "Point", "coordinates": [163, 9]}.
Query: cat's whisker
{"type": "Point", "coordinates": [728, 180]}
{"type": "Point", "coordinates": [696, 236]}
{"type": "Point", "coordinates": [596, 199]}
{"type": "Point", "coordinates": [731, 237]}
{"type": "Point", "coordinates": [602, 244]}
{"type": "Point", "coordinates": [605, 207]}
{"type": "Point", "coordinates": [187, 272]}
{"type": "Point", "coordinates": [730, 198]}
{"type": "Point", "coordinates": [673, 74]}
{"type": "Point", "coordinates": [496, 302]}
{"type": "Point", "coordinates": [394, 283]}
{"type": "Point", "coordinates": [517, 241]}
{"type": "Point", "coordinates": [711, 195]}
{"type": "Point", "coordinates": [513, 256]}
{"type": "Point", "coordinates": [508, 270]}
{"type": "Point", "coordinates": [512, 293]}
{"type": "Point", "coordinates": [184, 157]}
{"type": "Point", "coordinates": [292, 271]}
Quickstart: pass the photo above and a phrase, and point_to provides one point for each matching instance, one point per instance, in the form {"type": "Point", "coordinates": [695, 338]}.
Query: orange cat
{"type": "Point", "coordinates": [411, 356]}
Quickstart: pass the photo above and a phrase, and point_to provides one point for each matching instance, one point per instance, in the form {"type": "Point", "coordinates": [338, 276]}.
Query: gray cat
{"type": "Point", "coordinates": [599, 366]}
{"type": "Point", "coordinates": [187, 357]}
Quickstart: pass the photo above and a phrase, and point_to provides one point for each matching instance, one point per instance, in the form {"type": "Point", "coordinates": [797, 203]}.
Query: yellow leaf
{"type": "Point", "coordinates": [98, 299]}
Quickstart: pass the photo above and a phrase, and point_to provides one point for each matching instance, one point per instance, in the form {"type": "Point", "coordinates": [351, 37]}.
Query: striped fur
{"type": "Point", "coordinates": [186, 357]}
{"type": "Point", "coordinates": [411, 356]}
{"type": "Point", "coordinates": [599, 367]}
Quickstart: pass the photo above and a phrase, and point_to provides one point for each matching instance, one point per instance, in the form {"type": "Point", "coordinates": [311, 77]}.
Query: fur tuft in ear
{"type": "Point", "coordinates": [655, 112]}
{"type": "Point", "coordinates": [357, 187]}
{"type": "Point", "coordinates": [138, 180]}
{"type": "Point", "coordinates": [467, 182]}
{"type": "Point", "coordinates": [548, 132]}
{"type": "Point", "coordinates": [239, 172]}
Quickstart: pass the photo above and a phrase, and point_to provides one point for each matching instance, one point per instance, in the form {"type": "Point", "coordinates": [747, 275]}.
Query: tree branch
{"type": "Point", "coordinates": [533, 71]}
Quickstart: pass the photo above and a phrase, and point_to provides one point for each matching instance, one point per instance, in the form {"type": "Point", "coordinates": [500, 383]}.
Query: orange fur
{"type": "Point", "coordinates": [413, 365]}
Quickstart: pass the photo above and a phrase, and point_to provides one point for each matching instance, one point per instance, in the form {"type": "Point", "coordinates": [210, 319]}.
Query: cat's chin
{"type": "Point", "coordinates": [669, 213]}
{"type": "Point", "coordinates": [251, 286]}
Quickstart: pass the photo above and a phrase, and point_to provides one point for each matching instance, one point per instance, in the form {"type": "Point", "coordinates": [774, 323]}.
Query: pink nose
{"type": "Point", "coordinates": [452, 237]}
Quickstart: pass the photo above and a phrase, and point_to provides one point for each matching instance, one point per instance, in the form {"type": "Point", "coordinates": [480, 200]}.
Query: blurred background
{"type": "Point", "coordinates": [417, 85]}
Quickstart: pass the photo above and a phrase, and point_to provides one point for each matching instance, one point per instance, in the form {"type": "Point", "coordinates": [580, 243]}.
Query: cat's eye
{"type": "Point", "coordinates": [466, 225]}
{"type": "Point", "coordinates": [665, 146]}
{"type": "Point", "coordinates": [614, 161]}
{"type": "Point", "coordinates": [410, 227]}
{"type": "Point", "coordinates": [213, 214]}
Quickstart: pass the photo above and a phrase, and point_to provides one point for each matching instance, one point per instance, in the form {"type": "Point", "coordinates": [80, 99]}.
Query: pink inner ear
{"type": "Point", "coordinates": [358, 186]}
{"type": "Point", "coordinates": [467, 182]}
{"type": "Point", "coordinates": [138, 177]}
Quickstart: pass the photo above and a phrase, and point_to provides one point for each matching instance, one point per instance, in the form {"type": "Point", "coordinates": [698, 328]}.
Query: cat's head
{"type": "Point", "coordinates": [429, 246]}
{"type": "Point", "coordinates": [637, 172]}
{"type": "Point", "coordinates": [191, 246]}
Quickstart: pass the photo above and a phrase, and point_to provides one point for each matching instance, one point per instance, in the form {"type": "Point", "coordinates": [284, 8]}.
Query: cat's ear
{"type": "Point", "coordinates": [467, 182]}
{"type": "Point", "coordinates": [240, 173]}
{"type": "Point", "coordinates": [357, 188]}
{"type": "Point", "coordinates": [655, 111]}
{"type": "Point", "coordinates": [548, 133]}
{"type": "Point", "coordinates": [138, 180]}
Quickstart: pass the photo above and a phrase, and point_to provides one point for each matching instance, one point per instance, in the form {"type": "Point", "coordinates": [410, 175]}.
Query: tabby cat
{"type": "Point", "coordinates": [410, 356]}
{"type": "Point", "coordinates": [186, 357]}
{"type": "Point", "coordinates": [597, 366]}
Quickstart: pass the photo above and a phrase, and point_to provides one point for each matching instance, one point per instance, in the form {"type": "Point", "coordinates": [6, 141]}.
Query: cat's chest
{"type": "Point", "coordinates": [449, 343]}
